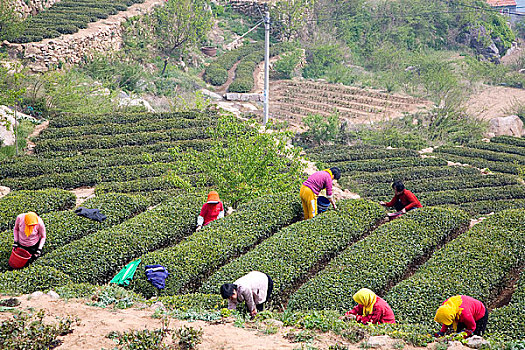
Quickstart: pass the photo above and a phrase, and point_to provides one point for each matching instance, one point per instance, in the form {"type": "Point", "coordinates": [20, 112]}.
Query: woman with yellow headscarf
{"type": "Point", "coordinates": [30, 233]}
{"type": "Point", "coordinates": [371, 308]}
{"type": "Point", "coordinates": [464, 314]}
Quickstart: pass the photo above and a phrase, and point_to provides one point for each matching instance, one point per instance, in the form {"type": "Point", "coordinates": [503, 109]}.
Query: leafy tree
{"type": "Point", "coordinates": [244, 163]}
{"type": "Point", "coordinates": [321, 129]}
{"type": "Point", "coordinates": [289, 17]}
{"type": "Point", "coordinates": [320, 59]}
{"type": "Point", "coordinates": [180, 23]}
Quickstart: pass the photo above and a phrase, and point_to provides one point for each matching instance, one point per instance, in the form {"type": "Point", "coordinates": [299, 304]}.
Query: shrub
{"type": "Point", "coordinates": [31, 279]}
{"type": "Point", "coordinates": [64, 227]}
{"type": "Point", "coordinates": [290, 255]}
{"type": "Point", "coordinates": [475, 264]}
{"type": "Point", "coordinates": [97, 257]}
{"type": "Point", "coordinates": [194, 259]}
{"type": "Point", "coordinates": [216, 75]}
{"type": "Point", "coordinates": [241, 85]}
{"type": "Point", "coordinates": [41, 202]}
{"type": "Point", "coordinates": [193, 301]}
{"type": "Point", "coordinates": [380, 260]}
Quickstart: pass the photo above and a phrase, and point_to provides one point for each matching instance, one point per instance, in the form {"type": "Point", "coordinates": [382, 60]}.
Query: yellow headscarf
{"type": "Point", "coordinates": [367, 298]}
{"type": "Point", "coordinates": [329, 172]}
{"type": "Point", "coordinates": [448, 313]}
{"type": "Point", "coordinates": [31, 219]}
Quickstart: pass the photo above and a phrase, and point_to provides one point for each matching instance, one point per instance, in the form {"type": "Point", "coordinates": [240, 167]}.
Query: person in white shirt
{"type": "Point", "coordinates": [255, 289]}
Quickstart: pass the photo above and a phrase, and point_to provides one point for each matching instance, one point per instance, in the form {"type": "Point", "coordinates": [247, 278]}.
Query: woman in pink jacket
{"type": "Point", "coordinates": [30, 233]}
{"type": "Point", "coordinates": [370, 308]}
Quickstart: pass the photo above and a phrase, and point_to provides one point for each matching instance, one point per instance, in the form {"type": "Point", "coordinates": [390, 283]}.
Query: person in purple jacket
{"type": "Point", "coordinates": [316, 183]}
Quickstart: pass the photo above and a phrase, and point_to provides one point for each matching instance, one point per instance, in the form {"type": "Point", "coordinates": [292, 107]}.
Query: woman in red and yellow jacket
{"type": "Point", "coordinates": [464, 314]}
{"type": "Point", "coordinates": [371, 308]}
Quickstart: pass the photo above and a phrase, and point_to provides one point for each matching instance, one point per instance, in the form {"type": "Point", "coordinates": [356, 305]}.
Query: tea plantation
{"type": "Point", "coordinates": [147, 185]}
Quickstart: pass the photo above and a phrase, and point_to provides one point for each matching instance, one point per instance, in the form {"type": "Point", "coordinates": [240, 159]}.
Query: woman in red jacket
{"type": "Point", "coordinates": [403, 200]}
{"type": "Point", "coordinates": [371, 308]}
{"type": "Point", "coordinates": [464, 314]}
{"type": "Point", "coordinates": [212, 210]}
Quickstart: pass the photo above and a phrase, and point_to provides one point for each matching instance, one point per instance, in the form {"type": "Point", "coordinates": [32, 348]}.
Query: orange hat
{"type": "Point", "coordinates": [213, 197]}
{"type": "Point", "coordinates": [31, 219]}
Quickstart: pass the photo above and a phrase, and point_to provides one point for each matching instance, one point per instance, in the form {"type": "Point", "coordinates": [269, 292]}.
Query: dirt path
{"type": "Point", "coordinates": [83, 194]}
{"type": "Point", "coordinates": [231, 75]}
{"type": "Point", "coordinates": [38, 129]}
{"type": "Point", "coordinates": [258, 76]}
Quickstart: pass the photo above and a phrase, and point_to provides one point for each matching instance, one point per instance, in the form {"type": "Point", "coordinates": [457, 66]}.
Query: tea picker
{"type": "Point", "coordinates": [316, 183]}
{"type": "Point", "coordinates": [29, 238]}
{"type": "Point", "coordinates": [403, 200]}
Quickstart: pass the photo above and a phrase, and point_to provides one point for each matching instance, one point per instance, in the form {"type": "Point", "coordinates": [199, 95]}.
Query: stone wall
{"type": "Point", "coordinates": [102, 36]}
{"type": "Point", "coordinates": [32, 7]}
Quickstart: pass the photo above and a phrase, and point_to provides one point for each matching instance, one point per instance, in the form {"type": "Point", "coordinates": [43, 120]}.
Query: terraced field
{"type": "Point", "coordinates": [293, 100]}
{"type": "Point", "coordinates": [415, 262]}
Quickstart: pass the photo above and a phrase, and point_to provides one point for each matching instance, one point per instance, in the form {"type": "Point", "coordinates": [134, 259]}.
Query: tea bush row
{"type": "Point", "coordinates": [290, 255]}
{"type": "Point", "coordinates": [97, 257]}
{"type": "Point", "coordinates": [500, 167]}
{"type": "Point", "coordinates": [67, 17]}
{"type": "Point", "coordinates": [474, 264]}
{"type": "Point", "coordinates": [70, 119]}
{"type": "Point", "coordinates": [506, 323]}
{"type": "Point", "coordinates": [202, 253]}
{"type": "Point", "coordinates": [498, 147]}
{"type": "Point", "coordinates": [483, 154]}
{"type": "Point", "coordinates": [489, 206]}
{"type": "Point", "coordinates": [406, 174]}
{"type": "Point", "coordinates": [167, 182]}
{"type": "Point", "coordinates": [75, 132]}
{"type": "Point", "coordinates": [379, 260]}
{"type": "Point", "coordinates": [41, 202]}
{"type": "Point", "coordinates": [131, 139]}
{"type": "Point", "coordinates": [375, 165]}
{"type": "Point", "coordinates": [217, 72]}
{"type": "Point", "coordinates": [63, 227]}
{"type": "Point", "coordinates": [89, 177]}
{"type": "Point", "coordinates": [348, 153]}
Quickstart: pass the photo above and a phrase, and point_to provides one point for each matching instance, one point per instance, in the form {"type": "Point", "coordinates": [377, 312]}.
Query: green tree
{"type": "Point", "coordinates": [244, 163]}
{"type": "Point", "coordinates": [289, 17]}
{"type": "Point", "coordinates": [321, 129]}
{"type": "Point", "coordinates": [180, 23]}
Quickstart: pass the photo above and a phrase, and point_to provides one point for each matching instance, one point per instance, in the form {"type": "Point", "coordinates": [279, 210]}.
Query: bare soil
{"type": "Point", "coordinates": [38, 129]}
{"type": "Point", "coordinates": [94, 324]}
{"type": "Point", "coordinates": [231, 75]}
{"type": "Point", "coordinates": [83, 194]}
{"type": "Point", "coordinates": [495, 101]}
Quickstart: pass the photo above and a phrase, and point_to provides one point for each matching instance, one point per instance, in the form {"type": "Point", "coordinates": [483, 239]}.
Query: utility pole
{"type": "Point", "coordinates": [266, 67]}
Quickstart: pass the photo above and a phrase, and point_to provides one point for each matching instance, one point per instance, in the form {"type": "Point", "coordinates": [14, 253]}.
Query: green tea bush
{"type": "Point", "coordinates": [375, 165]}
{"type": "Point", "coordinates": [406, 174]}
{"type": "Point", "coordinates": [89, 177]}
{"type": "Point", "coordinates": [472, 195]}
{"type": "Point", "coordinates": [379, 260]}
{"type": "Point", "coordinates": [216, 75]}
{"type": "Point", "coordinates": [167, 182]}
{"type": "Point", "coordinates": [31, 279]}
{"type": "Point", "coordinates": [97, 257]}
{"type": "Point", "coordinates": [116, 129]}
{"type": "Point", "coordinates": [202, 253]}
{"type": "Point", "coordinates": [41, 202]}
{"type": "Point", "coordinates": [348, 153]}
{"type": "Point", "coordinates": [495, 156]}
{"type": "Point", "coordinates": [475, 264]}
{"type": "Point", "coordinates": [291, 254]}
{"type": "Point", "coordinates": [130, 139]}
{"type": "Point", "coordinates": [500, 167]}
{"type": "Point", "coordinates": [70, 120]}
{"type": "Point", "coordinates": [506, 322]}
{"type": "Point", "coordinates": [509, 140]}
{"type": "Point", "coordinates": [498, 147]}
{"type": "Point", "coordinates": [63, 227]}
{"type": "Point", "coordinates": [489, 206]}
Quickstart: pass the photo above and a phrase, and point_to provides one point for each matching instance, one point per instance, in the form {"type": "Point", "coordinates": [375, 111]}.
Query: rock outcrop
{"type": "Point", "coordinates": [511, 126]}
{"type": "Point", "coordinates": [32, 7]}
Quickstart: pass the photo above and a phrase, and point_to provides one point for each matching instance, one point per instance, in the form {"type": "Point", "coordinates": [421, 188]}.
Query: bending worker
{"type": "Point", "coordinates": [212, 210]}
{"type": "Point", "coordinates": [403, 200]}
{"type": "Point", "coordinates": [316, 183]}
{"type": "Point", "coordinates": [370, 308]}
{"type": "Point", "coordinates": [30, 233]}
{"type": "Point", "coordinates": [464, 314]}
{"type": "Point", "coordinates": [254, 288]}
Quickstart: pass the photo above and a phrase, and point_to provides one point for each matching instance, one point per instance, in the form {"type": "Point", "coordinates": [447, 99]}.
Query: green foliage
{"type": "Point", "coordinates": [321, 129]}
{"type": "Point", "coordinates": [472, 195]}
{"type": "Point", "coordinates": [141, 340]}
{"type": "Point", "coordinates": [488, 252]}
{"type": "Point", "coordinates": [41, 202]}
{"type": "Point", "coordinates": [286, 65]}
{"type": "Point", "coordinates": [63, 227]}
{"type": "Point", "coordinates": [320, 59]}
{"type": "Point", "coordinates": [293, 252]}
{"type": "Point", "coordinates": [413, 174]}
{"type": "Point", "coordinates": [28, 331]}
{"type": "Point", "coordinates": [189, 337]}
{"type": "Point", "coordinates": [244, 164]}
{"type": "Point", "coordinates": [217, 72]}
{"type": "Point", "coordinates": [495, 156]}
{"type": "Point", "coordinates": [10, 22]}
{"type": "Point", "coordinates": [290, 17]}
{"type": "Point", "coordinates": [341, 153]}
{"type": "Point", "coordinates": [114, 295]}
{"type": "Point", "coordinates": [31, 279]}
{"type": "Point", "coordinates": [374, 165]}
{"type": "Point", "coordinates": [218, 243]}
{"type": "Point", "coordinates": [193, 301]}
{"type": "Point", "coordinates": [170, 181]}
{"type": "Point", "coordinates": [379, 260]}
{"type": "Point", "coordinates": [97, 257]}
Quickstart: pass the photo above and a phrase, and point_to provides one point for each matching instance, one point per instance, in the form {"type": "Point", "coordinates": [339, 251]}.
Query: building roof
{"type": "Point", "coordinates": [501, 3]}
